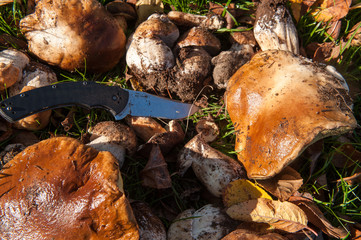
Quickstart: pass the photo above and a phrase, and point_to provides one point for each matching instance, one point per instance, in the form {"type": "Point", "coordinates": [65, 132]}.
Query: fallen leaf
{"type": "Point", "coordinates": [355, 232]}
{"type": "Point", "coordinates": [316, 217]}
{"type": "Point", "coordinates": [261, 228]}
{"type": "Point", "coordinates": [285, 216]}
{"type": "Point", "coordinates": [243, 234]}
{"type": "Point", "coordinates": [332, 10]}
{"type": "Point", "coordinates": [155, 174]}
{"type": "Point", "coordinates": [241, 190]}
{"type": "Point", "coordinates": [284, 184]}
{"type": "Point", "coordinates": [352, 180]}
{"type": "Point", "coordinates": [345, 155]}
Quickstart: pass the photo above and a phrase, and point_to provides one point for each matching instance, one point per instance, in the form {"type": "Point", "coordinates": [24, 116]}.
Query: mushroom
{"type": "Point", "coordinates": [62, 189]}
{"type": "Point", "coordinates": [209, 222]}
{"type": "Point", "coordinates": [115, 138]}
{"type": "Point", "coordinates": [274, 28]}
{"type": "Point", "coordinates": [227, 62]}
{"type": "Point", "coordinates": [213, 168]}
{"type": "Point", "coordinates": [36, 121]}
{"type": "Point", "coordinates": [149, 50]}
{"type": "Point", "coordinates": [279, 104]}
{"type": "Point", "coordinates": [150, 226]}
{"type": "Point", "coordinates": [74, 35]}
{"type": "Point", "coordinates": [12, 63]}
{"type": "Point", "coordinates": [122, 12]}
{"type": "Point", "coordinates": [212, 22]}
{"type": "Point", "coordinates": [199, 37]}
{"type": "Point", "coordinates": [34, 75]}
{"type": "Point", "coordinates": [146, 8]}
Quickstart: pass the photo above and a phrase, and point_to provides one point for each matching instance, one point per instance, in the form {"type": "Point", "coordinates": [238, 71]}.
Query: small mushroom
{"type": "Point", "coordinates": [212, 22]}
{"type": "Point", "coordinates": [209, 222]}
{"type": "Point", "coordinates": [122, 12]}
{"type": "Point", "coordinates": [208, 129]}
{"type": "Point", "coordinates": [199, 37]}
{"type": "Point", "coordinates": [36, 121]}
{"type": "Point", "coordinates": [12, 63]}
{"type": "Point", "coordinates": [279, 104]}
{"type": "Point", "coordinates": [150, 226]}
{"type": "Point", "coordinates": [146, 8]}
{"type": "Point", "coordinates": [74, 35]}
{"type": "Point", "coordinates": [274, 28]}
{"type": "Point", "coordinates": [34, 75]}
{"type": "Point", "coordinates": [115, 138]}
{"type": "Point", "coordinates": [62, 189]}
{"type": "Point", "coordinates": [213, 168]}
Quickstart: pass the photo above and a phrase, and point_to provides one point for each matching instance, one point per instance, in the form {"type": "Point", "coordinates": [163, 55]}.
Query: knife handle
{"type": "Point", "coordinates": [84, 94]}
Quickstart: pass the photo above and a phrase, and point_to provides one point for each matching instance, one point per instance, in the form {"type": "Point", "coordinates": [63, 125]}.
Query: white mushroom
{"type": "Point", "coordinates": [207, 223]}
{"type": "Point", "coordinates": [274, 28]}
{"type": "Point", "coordinates": [34, 75]}
{"type": "Point", "coordinates": [149, 49]}
{"type": "Point", "coordinates": [115, 138]}
{"type": "Point", "coordinates": [213, 22]}
{"type": "Point", "coordinates": [12, 63]}
{"type": "Point", "coordinates": [74, 35]}
{"type": "Point", "coordinates": [213, 168]}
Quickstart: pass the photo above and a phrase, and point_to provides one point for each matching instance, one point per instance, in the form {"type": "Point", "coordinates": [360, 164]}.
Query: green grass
{"type": "Point", "coordinates": [338, 199]}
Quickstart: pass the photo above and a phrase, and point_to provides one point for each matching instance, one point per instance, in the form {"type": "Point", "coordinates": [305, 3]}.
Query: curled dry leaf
{"type": "Point", "coordinates": [155, 174]}
{"type": "Point", "coordinates": [150, 226]}
{"type": "Point", "coordinates": [243, 234]}
{"type": "Point", "coordinates": [272, 133]}
{"type": "Point", "coordinates": [285, 216]}
{"type": "Point", "coordinates": [207, 223]}
{"type": "Point", "coordinates": [316, 217]}
{"type": "Point", "coordinates": [355, 35]}
{"type": "Point", "coordinates": [166, 140]}
{"type": "Point", "coordinates": [241, 190]}
{"type": "Point", "coordinates": [331, 10]}
{"type": "Point", "coordinates": [74, 35]}
{"type": "Point", "coordinates": [145, 127]}
{"type": "Point", "coordinates": [213, 168]}
{"type": "Point", "coordinates": [284, 184]}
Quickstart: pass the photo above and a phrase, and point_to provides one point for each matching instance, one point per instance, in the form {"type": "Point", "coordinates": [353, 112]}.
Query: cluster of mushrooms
{"type": "Point", "coordinates": [279, 103]}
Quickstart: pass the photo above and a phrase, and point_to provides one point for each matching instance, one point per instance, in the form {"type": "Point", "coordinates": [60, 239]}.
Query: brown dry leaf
{"type": "Point", "coordinates": [284, 184]}
{"type": "Point", "coordinates": [355, 231]}
{"type": "Point", "coordinates": [300, 7]}
{"type": "Point", "coordinates": [346, 155]}
{"type": "Point", "coordinates": [332, 10]}
{"type": "Point", "coordinates": [155, 174]}
{"type": "Point", "coordinates": [243, 234]}
{"type": "Point", "coordinates": [241, 190]}
{"type": "Point", "coordinates": [285, 216]}
{"type": "Point", "coordinates": [316, 217]}
{"type": "Point", "coordinates": [352, 180]}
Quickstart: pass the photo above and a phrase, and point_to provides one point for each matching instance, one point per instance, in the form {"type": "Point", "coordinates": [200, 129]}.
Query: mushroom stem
{"type": "Point", "coordinates": [213, 168]}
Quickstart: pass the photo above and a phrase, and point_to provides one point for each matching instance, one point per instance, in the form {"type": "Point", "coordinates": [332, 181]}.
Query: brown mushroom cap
{"type": "Point", "coordinates": [74, 35]}
{"type": "Point", "coordinates": [116, 133]}
{"type": "Point", "coordinates": [61, 189]}
{"type": "Point", "coordinates": [279, 104]}
{"type": "Point", "coordinates": [200, 37]}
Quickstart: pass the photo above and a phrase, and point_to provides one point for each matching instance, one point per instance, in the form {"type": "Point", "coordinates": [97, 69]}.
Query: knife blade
{"type": "Point", "coordinates": [118, 101]}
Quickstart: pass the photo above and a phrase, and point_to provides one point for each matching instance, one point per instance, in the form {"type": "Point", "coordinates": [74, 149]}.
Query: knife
{"type": "Point", "coordinates": [118, 101]}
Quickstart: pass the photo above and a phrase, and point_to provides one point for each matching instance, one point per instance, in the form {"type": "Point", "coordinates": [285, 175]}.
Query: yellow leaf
{"type": "Point", "coordinates": [242, 190]}
{"type": "Point", "coordinates": [285, 216]}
